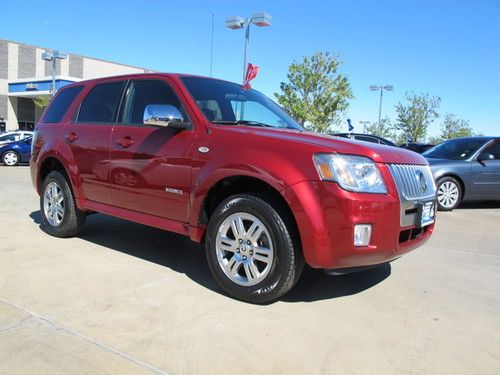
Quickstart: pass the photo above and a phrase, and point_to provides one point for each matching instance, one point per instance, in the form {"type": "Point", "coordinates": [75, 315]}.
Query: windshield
{"type": "Point", "coordinates": [455, 149]}
{"type": "Point", "coordinates": [227, 103]}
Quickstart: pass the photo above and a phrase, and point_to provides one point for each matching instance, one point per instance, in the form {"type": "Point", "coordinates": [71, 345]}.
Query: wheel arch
{"type": "Point", "coordinates": [49, 164]}
{"type": "Point", "coordinates": [239, 184]}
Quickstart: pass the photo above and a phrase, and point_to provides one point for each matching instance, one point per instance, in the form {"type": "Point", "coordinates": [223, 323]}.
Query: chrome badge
{"type": "Point", "coordinates": [422, 183]}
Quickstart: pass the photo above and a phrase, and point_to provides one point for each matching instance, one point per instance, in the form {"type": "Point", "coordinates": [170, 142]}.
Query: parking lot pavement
{"type": "Point", "coordinates": [125, 298]}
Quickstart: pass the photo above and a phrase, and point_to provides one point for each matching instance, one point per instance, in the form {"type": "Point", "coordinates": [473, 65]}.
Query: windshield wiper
{"type": "Point", "coordinates": [242, 122]}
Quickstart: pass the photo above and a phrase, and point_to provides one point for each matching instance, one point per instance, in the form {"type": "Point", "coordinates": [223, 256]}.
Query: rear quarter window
{"type": "Point", "coordinates": [60, 104]}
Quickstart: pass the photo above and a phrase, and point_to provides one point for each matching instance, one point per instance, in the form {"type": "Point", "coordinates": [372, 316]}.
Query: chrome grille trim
{"type": "Point", "coordinates": [406, 178]}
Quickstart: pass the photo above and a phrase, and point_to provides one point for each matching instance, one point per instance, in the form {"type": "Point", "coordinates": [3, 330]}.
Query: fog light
{"type": "Point", "coordinates": [362, 234]}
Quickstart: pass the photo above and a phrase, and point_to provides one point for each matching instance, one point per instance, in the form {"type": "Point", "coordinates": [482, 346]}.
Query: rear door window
{"type": "Point", "coordinates": [101, 103]}
{"type": "Point", "coordinates": [61, 104]}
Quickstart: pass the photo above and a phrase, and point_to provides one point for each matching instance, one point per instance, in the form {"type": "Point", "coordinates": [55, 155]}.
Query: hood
{"type": "Point", "coordinates": [328, 143]}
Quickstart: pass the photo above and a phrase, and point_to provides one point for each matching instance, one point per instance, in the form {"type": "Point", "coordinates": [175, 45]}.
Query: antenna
{"type": "Point", "coordinates": [212, 45]}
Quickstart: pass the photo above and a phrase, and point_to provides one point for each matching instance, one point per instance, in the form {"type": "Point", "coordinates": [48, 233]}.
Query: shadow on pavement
{"type": "Point", "coordinates": [480, 204]}
{"type": "Point", "coordinates": [315, 285]}
{"type": "Point", "coordinates": [182, 255]}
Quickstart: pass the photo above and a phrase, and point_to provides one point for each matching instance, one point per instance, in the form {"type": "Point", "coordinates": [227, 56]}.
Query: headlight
{"type": "Point", "coordinates": [353, 173]}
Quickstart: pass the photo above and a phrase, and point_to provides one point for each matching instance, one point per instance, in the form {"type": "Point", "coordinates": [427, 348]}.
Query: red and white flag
{"type": "Point", "coordinates": [252, 71]}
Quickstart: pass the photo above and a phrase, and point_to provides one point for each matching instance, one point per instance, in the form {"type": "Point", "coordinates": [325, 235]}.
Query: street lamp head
{"type": "Point", "coordinates": [47, 56]}
{"type": "Point", "coordinates": [374, 87]}
{"type": "Point", "coordinates": [235, 22]}
{"type": "Point", "coordinates": [261, 19]}
{"type": "Point", "coordinates": [60, 55]}
{"type": "Point", "coordinates": [389, 87]}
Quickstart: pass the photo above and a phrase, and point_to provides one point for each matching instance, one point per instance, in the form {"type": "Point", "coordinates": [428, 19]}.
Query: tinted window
{"type": "Point", "coordinates": [495, 150]}
{"type": "Point", "coordinates": [8, 138]}
{"type": "Point", "coordinates": [456, 149]}
{"type": "Point", "coordinates": [142, 93]}
{"type": "Point", "coordinates": [101, 104]}
{"type": "Point", "coordinates": [61, 104]}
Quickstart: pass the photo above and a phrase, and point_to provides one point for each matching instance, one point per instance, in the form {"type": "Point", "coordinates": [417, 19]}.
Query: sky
{"type": "Point", "coordinates": [449, 49]}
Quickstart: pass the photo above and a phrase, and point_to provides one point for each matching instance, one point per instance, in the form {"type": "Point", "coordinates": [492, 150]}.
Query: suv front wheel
{"type": "Point", "coordinates": [252, 250]}
{"type": "Point", "coordinates": [60, 216]}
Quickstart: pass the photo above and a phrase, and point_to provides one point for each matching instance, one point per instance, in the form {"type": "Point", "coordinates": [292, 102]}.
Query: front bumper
{"type": "Point", "coordinates": [326, 215]}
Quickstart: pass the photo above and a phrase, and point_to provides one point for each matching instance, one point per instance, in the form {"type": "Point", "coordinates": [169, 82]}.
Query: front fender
{"type": "Point", "coordinates": [219, 168]}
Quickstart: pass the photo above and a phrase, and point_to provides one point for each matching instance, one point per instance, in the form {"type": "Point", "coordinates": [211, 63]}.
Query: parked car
{"type": "Point", "coordinates": [465, 169]}
{"type": "Point", "coordinates": [366, 138]}
{"type": "Point", "coordinates": [228, 167]}
{"type": "Point", "coordinates": [417, 147]}
{"type": "Point", "coordinates": [14, 136]}
{"type": "Point", "coordinates": [16, 152]}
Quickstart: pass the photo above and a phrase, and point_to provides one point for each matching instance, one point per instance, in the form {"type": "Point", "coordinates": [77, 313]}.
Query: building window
{"type": "Point", "coordinates": [26, 125]}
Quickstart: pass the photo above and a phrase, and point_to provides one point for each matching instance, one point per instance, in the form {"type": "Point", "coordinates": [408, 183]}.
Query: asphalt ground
{"type": "Point", "coordinates": [125, 298]}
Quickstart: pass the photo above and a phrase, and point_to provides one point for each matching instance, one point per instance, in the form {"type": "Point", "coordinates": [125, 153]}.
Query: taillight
{"type": "Point", "coordinates": [34, 140]}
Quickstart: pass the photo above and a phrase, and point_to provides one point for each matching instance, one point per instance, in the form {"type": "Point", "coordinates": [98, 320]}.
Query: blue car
{"type": "Point", "coordinates": [16, 152]}
{"type": "Point", "coordinates": [465, 169]}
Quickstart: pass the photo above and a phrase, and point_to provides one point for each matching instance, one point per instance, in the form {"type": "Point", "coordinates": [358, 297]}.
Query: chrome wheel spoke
{"type": "Point", "coordinates": [262, 254]}
{"type": "Point", "coordinates": [237, 226]}
{"type": "Point", "coordinates": [227, 244]}
{"type": "Point", "coordinates": [254, 232]}
{"type": "Point", "coordinates": [251, 271]}
{"type": "Point", "coordinates": [233, 266]}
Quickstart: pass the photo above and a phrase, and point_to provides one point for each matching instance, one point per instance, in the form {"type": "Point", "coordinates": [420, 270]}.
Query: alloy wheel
{"type": "Point", "coordinates": [53, 204]}
{"type": "Point", "coordinates": [448, 194]}
{"type": "Point", "coordinates": [244, 249]}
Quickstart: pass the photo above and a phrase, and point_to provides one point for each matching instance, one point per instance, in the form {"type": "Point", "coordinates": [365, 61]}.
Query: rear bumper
{"type": "Point", "coordinates": [326, 215]}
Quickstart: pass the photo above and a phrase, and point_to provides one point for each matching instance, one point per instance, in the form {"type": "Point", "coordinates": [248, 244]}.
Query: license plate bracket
{"type": "Point", "coordinates": [426, 212]}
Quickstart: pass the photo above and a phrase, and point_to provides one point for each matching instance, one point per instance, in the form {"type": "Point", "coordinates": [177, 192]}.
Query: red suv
{"type": "Point", "coordinates": [227, 167]}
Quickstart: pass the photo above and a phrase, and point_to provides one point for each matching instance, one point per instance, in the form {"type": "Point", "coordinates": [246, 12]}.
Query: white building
{"type": "Point", "coordinates": [24, 75]}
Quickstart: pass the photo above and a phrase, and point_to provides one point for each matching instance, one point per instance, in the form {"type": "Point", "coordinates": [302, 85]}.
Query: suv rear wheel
{"type": "Point", "coordinates": [60, 216]}
{"type": "Point", "coordinates": [252, 250]}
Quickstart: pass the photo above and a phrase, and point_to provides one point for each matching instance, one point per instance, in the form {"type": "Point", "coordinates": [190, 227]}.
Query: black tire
{"type": "Point", "coordinates": [7, 158]}
{"type": "Point", "coordinates": [449, 193]}
{"type": "Point", "coordinates": [287, 262]}
{"type": "Point", "coordinates": [72, 220]}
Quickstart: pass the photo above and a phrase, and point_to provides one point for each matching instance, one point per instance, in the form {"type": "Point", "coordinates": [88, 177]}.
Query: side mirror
{"type": "Point", "coordinates": [483, 156]}
{"type": "Point", "coordinates": [164, 115]}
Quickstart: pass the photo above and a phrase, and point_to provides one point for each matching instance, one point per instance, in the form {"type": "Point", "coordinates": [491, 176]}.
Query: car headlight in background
{"type": "Point", "coordinates": [351, 172]}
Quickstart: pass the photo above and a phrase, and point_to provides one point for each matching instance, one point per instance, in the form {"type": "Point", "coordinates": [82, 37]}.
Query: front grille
{"type": "Point", "coordinates": [415, 186]}
{"type": "Point", "coordinates": [414, 182]}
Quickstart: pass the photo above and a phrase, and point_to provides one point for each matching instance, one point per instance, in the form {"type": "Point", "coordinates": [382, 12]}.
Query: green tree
{"type": "Point", "coordinates": [385, 129]}
{"type": "Point", "coordinates": [42, 101]}
{"type": "Point", "coordinates": [316, 93]}
{"type": "Point", "coordinates": [415, 116]}
{"type": "Point", "coordinates": [454, 127]}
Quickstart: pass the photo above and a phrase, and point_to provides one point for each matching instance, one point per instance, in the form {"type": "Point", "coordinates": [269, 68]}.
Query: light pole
{"type": "Point", "coordinates": [237, 22]}
{"type": "Point", "coordinates": [364, 123]}
{"type": "Point", "coordinates": [53, 56]}
{"type": "Point", "coordinates": [381, 88]}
